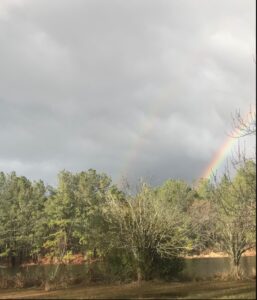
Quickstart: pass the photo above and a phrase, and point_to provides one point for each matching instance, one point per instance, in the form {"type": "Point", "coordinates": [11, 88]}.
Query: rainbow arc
{"type": "Point", "coordinates": [219, 157]}
{"type": "Point", "coordinates": [226, 147]}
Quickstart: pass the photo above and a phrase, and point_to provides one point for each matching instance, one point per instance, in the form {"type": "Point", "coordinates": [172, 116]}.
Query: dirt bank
{"type": "Point", "coordinates": [219, 254]}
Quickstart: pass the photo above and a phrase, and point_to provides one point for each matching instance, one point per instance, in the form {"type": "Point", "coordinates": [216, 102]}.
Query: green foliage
{"type": "Point", "coordinates": [204, 189]}
{"type": "Point", "coordinates": [235, 205]}
{"type": "Point", "coordinates": [21, 216]}
{"type": "Point", "coordinates": [167, 268]}
{"type": "Point", "coordinates": [177, 193]}
{"type": "Point", "coordinates": [119, 265]}
{"type": "Point", "coordinates": [202, 216]}
{"type": "Point", "coordinates": [126, 235]}
{"type": "Point", "coordinates": [74, 212]}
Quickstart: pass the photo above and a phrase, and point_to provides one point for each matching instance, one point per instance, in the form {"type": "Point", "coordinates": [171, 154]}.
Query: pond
{"type": "Point", "coordinates": [208, 267]}
{"type": "Point", "coordinates": [194, 268]}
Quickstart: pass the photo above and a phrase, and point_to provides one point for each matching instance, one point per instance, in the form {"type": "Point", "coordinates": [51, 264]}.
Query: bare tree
{"type": "Point", "coordinates": [244, 126]}
{"type": "Point", "coordinates": [145, 226]}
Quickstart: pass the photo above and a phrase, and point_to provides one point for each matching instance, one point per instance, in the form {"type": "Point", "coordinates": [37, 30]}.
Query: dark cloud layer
{"type": "Point", "coordinates": [130, 88]}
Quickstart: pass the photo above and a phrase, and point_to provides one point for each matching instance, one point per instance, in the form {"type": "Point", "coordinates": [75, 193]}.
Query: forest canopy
{"type": "Point", "coordinates": [87, 214]}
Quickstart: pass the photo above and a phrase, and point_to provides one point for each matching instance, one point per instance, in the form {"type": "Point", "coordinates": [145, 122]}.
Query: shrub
{"type": "Point", "coordinates": [167, 268]}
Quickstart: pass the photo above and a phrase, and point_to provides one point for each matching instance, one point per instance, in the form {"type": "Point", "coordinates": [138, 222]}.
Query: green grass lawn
{"type": "Point", "coordinates": [147, 290]}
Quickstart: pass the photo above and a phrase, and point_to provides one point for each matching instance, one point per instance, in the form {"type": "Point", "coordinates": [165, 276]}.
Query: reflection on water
{"type": "Point", "coordinates": [208, 267]}
{"type": "Point", "coordinates": [196, 267]}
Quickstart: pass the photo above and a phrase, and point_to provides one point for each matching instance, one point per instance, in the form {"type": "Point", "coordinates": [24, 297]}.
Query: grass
{"type": "Point", "coordinates": [147, 290]}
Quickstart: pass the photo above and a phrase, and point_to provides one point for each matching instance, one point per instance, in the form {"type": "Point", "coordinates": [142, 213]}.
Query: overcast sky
{"type": "Point", "coordinates": [135, 88]}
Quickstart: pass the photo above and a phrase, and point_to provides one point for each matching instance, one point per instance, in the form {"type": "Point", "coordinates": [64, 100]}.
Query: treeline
{"type": "Point", "coordinates": [144, 233]}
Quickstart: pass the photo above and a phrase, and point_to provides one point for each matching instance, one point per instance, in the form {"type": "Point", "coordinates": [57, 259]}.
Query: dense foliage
{"type": "Point", "coordinates": [141, 235]}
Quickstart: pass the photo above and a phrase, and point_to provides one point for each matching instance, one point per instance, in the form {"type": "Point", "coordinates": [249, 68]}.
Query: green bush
{"type": "Point", "coordinates": [120, 265]}
{"type": "Point", "coordinates": [167, 268]}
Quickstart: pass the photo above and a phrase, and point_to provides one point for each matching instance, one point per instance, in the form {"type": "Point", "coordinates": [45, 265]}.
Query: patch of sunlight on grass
{"type": "Point", "coordinates": [247, 295]}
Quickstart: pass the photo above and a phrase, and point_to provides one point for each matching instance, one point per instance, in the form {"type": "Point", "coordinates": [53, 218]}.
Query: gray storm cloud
{"type": "Point", "coordinates": [131, 88]}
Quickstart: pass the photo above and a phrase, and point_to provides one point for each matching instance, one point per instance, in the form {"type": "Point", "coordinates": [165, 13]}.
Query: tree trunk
{"type": "Point", "coordinates": [20, 257]}
{"type": "Point", "coordinates": [13, 260]}
{"type": "Point", "coordinates": [236, 272]}
{"type": "Point", "coordinates": [139, 275]}
{"type": "Point", "coordinates": [236, 267]}
{"type": "Point", "coordinates": [94, 253]}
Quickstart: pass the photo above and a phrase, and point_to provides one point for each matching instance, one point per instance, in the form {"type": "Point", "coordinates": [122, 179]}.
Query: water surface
{"type": "Point", "coordinates": [194, 268]}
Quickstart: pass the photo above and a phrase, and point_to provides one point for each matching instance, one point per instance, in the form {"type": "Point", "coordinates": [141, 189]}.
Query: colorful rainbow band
{"type": "Point", "coordinates": [224, 150]}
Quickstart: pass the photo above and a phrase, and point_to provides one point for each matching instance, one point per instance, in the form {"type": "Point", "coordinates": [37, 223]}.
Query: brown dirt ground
{"type": "Point", "coordinates": [147, 290]}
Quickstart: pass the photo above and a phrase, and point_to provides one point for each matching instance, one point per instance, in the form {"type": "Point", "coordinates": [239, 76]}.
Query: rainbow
{"type": "Point", "coordinates": [144, 130]}
{"type": "Point", "coordinates": [147, 126]}
{"type": "Point", "coordinates": [226, 147]}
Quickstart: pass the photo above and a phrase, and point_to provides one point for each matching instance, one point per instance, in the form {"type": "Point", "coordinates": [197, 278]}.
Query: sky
{"type": "Point", "coordinates": [134, 89]}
